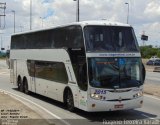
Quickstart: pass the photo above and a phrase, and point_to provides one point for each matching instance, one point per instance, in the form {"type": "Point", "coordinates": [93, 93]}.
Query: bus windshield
{"type": "Point", "coordinates": [114, 73]}
{"type": "Point", "coordinates": [110, 38]}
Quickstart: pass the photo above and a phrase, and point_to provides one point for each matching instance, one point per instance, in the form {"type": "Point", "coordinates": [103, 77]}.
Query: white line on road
{"type": "Point", "coordinates": [147, 116]}
{"type": "Point", "coordinates": [2, 73]}
{"type": "Point", "coordinates": [52, 114]}
{"type": "Point", "coordinates": [152, 97]}
{"type": "Point", "coordinates": [152, 78]}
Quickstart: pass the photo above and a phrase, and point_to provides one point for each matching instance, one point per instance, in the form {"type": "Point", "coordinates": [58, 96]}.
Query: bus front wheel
{"type": "Point", "coordinates": [70, 101]}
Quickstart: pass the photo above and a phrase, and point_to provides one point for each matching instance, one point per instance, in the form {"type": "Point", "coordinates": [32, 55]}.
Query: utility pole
{"type": "Point", "coordinates": [1, 43]}
{"type": "Point", "coordinates": [3, 7]}
{"type": "Point", "coordinates": [77, 12]}
{"type": "Point", "coordinates": [127, 13]}
{"type": "Point", "coordinates": [14, 20]}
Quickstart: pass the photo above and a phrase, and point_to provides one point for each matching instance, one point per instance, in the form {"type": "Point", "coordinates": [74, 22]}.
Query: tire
{"type": "Point", "coordinates": [70, 101]}
{"type": "Point", "coordinates": [21, 87]}
{"type": "Point", "coordinates": [26, 91]}
{"type": "Point", "coordinates": [19, 83]}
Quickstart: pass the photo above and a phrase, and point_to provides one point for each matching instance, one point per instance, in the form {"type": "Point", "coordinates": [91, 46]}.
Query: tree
{"type": "Point", "coordinates": [149, 51]}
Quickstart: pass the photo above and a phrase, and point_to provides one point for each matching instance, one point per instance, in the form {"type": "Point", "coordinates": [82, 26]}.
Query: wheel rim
{"type": "Point", "coordinates": [19, 84]}
{"type": "Point", "coordinates": [70, 103]}
{"type": "Point", "coordinates": [26, 88]}
{"type": "Point", "coordinates": [21, 87]}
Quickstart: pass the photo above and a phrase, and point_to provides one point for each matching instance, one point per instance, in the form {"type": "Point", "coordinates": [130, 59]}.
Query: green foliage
{"type": "Point", "coordinates": [158, 53]}
{"type": "Point", "coordinates": [149, 51]}
{"type": "Point", "coordinates": [2, 55]}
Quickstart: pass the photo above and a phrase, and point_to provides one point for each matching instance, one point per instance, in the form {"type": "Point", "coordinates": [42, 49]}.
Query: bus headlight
{"type": "Point", "coordinates": [96, 96]}
{"type": "Point", "coordinates": [137, 95]}
{"type": "Point", "coordinates": [140, 94]}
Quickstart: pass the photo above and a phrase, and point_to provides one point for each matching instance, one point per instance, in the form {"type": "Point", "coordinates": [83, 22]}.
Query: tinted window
{"type": "Point", "coordinates": [53, 71]}
{"type": "Point", "coordinates": [17, 42]}
{"type": "Point", "coordinates": [67, 37]}
{"type": "Point", "coordinates": [31, 68]}
{"type": "Point", "coordinates": [110, 38]}
{"type": "Point", "coordinates": [115, 72]}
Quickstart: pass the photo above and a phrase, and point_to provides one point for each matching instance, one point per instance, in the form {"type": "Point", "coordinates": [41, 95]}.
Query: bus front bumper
{"type": "Point", "coordinates": [99, 105]}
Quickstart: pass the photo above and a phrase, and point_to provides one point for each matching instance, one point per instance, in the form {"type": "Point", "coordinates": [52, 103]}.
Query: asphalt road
{"type": "Point", "coordinates": [153, 78]}
{"type": "Point", "coordinates": [149, 113]}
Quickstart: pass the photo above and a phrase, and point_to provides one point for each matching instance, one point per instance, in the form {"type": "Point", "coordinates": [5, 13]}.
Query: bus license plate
{"type": "Point", "coordinates": [119, 106]}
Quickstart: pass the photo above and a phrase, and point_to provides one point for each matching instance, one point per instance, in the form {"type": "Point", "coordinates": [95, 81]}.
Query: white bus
{"type": "Point", "coordinates": [90, 65]}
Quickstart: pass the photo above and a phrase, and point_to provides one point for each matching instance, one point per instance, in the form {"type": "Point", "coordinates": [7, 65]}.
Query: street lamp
{"type": "Point", "coordinates": [21, 27]}
{"type": "Point", "coordinates": [30, 14]}
{"type": "Point", "coordinates": [127, 13]}
{"type": "Point", "coordinates": [77, 13]}
{"type": "Point", "coordinates": [14, 20]}
{"type": "Point", "coordinates": [42, 20]}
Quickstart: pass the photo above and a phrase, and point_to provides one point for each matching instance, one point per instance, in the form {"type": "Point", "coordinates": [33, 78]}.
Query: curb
{"type": "Point", "coordinates": [156, 69]}
{"type": "Point", "coordinates": [152, 68]}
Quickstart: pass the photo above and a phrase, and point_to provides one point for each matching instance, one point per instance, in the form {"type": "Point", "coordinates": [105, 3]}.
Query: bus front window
{"type": "Point", "coordinates": [114, 73]}
{"type": "Point", "coordinates": [110, 39]}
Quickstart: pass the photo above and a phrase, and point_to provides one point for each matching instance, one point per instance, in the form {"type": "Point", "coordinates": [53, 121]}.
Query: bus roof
{"type": "Point", "coordinates": [82, 23]}
{"type": "Point", "coordinates": [102, 22]}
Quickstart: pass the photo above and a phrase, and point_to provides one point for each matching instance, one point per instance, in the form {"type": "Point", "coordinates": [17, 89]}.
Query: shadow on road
{"type": "Point", "coordinates": [116, 115]}
{"type": "Point", "coordinates": [99, 116]}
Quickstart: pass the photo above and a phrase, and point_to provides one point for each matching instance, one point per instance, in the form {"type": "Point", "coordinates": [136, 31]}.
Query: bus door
{"type": "Point", "coordinates": [13, 71]}
{"type": "Point", "coordinates": [32, 76]}
{"type": "Point", "coordinates": [82, 83]}
{"type": "Point", "coordinates": [72, 84]}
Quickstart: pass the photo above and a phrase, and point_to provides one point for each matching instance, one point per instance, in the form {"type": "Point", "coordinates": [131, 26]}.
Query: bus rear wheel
{"type": "Point", "coordinates": [21, 87]}
{"type": "Point", "coordinates": [26, 91]}
{"type": "Point", "coordinates": [70, 101]}
{"type": "Point", "coordinates": [19, 84]}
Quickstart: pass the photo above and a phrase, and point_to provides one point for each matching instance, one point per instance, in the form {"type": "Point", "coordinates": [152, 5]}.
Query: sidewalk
{"type": "Point", "coordinates": [13, 112]}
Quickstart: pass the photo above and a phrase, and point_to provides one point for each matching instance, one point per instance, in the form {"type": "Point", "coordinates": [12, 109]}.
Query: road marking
{"type": "Point", "coordinates": [52, 114]}
{"type": "Point", "coordinates": [152, 97]}
{"type": "Point", "coordinates": [152, 78]}
{"type": "Point", "coordinates": [4, 73]}
{"type": "Point", "coordinates": [147, 116]}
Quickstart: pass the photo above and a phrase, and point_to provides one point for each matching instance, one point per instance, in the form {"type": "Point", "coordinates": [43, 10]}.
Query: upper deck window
{"type": "Point", "coordinates": [110, 38]}
{"type": "Point", "coordinates": [61, 37]}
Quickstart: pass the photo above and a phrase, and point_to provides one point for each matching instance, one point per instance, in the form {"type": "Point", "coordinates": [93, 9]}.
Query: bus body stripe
{"type": "Point", "coordinates": [113, 54]}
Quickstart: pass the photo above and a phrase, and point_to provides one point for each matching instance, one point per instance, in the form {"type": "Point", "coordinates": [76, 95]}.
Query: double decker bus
{"type": "Point", "coordinates": [90, 65]}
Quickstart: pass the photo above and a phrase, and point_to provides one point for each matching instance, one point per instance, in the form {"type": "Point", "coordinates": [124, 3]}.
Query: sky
{"type": "Point", "coordinates": [144, 15]}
